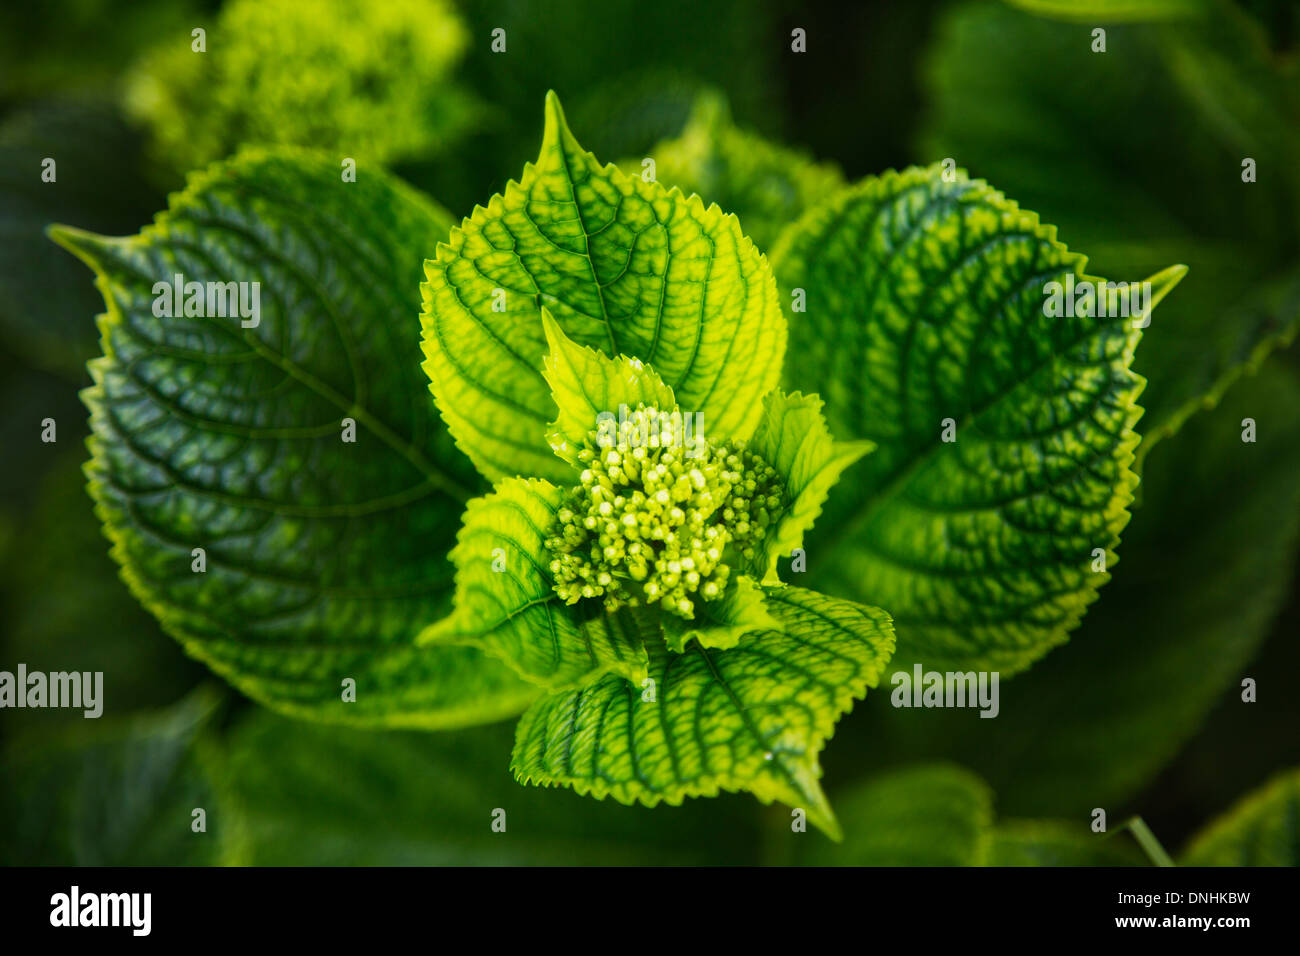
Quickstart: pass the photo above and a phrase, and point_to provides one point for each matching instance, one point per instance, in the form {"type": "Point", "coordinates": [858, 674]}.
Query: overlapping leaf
{"type": "Point", "coordinates": [586, 384]}
{"type": "Point", "coordinates": [505, 601]}
{"type": "Point", "coordinates": [793, 438]}
{"type": "Point", "coordinates": [926, 311]}
{"type": "Point", "coordinates": [741, 609]}
{"type": "Point", "coordinates": [624, 266]}
{"type": "Point", "coordinates": [324, 557]}
{"type": "Point", "coordinates": [754, 717]}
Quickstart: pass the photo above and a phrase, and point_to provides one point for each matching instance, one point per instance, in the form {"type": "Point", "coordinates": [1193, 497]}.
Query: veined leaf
{"type": "Point", "coordinates": [1004, 433]}
{"type": "Point", "coordinates": [753, 717]}
{"type": "Point", "coordinates": [624, 266]}
{"type": "Point", "coordinates": [767, 186]}
{"type": "Point", "coordinates": [505, 601]}
{"type": "Point", "coordinates": [1263, 829]}
{"type": "Point", "coordinates": [585, 383]}
{"type": "Point", "coordinates": [1196, 595]}
{"type": "Point", "coordinates": [793, 438]}
{"type": "Point", "coordinates": [740, 610]}
{"type": "Point", "coordinates": [321, 557]}
{"type": "Point", "coordinates": [1212, 80]}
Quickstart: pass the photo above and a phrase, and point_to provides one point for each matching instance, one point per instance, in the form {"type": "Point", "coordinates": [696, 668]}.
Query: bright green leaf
{"type": "Point", "coordinates": [1004, 434]}
{"type": "Point", "coordinates": [739, 610]}
{"type": "Point", "coordinates": [506, 603]}
{"type": "Point", "coordinates": [323, 557]}
{"type": "Point", "coordinates": [754, 717]}
{"type": "Point", "coordinates": [585, 383]}
{"type": "Point", "coordinates": [793, 438]}
{"type": "Point", "coordinates": [624, 266]}
{"type": "Point", "coordinates": [1112, 11]}
{"type": "Point", "coordinates": [1262, 829]}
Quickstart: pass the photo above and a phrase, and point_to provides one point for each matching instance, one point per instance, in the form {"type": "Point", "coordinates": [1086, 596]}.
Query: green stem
{"type": "Point", "coordinates": [1147, 840]}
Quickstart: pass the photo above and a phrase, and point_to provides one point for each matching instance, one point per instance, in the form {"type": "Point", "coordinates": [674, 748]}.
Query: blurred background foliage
{"type": "Point", "coordinates": [1135, 154]}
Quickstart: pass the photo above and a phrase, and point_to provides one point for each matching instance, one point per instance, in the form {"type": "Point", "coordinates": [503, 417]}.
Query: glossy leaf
{"type": "Point", "coordinates": [1004, 431]}
{"type": "Point", "coordinates": [323, 557]}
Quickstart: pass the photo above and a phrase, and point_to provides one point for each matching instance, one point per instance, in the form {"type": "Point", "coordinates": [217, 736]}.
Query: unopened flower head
{"type": "Point", "coordinates": [649, 525]}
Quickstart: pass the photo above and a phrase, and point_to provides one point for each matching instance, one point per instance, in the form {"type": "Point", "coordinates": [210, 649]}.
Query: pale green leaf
{"type": "Point", "coordinates": [505, 601]}
{"type": "Point", "coordinates": [793, 438]}
{"type": "Point", "coordinates": [324, 557]}
{"type": "Point", "coordinates": [1263, 829]}
{"type": "Point", "coordinates": [585, 383]}
{"type": "Point", "coordinates": [739, 610]}
{"type": "Point", "coordinates": [753, 717]}
{"type": "Point", "coordinates": [625, 267]}
{"type": "Point", "coordinates": [1004, 434]}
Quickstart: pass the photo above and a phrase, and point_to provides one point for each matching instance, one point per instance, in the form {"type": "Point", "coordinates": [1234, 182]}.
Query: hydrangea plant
{"type": "Point", "coordinates": [627, 480]}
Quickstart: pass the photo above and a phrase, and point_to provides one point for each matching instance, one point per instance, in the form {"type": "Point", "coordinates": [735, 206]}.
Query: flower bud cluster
{"type": "Point", "coordinates": [655, 523]}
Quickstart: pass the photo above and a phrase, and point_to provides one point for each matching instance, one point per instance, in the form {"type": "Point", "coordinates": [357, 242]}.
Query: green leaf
{"type": "Point", "coordinates": [584, 383]}
{"type": "Point", "coordinates": [1208, 561]}
{"type": "Point", "coordinates": [739, 610]}
{"type": "Point", "coordinates": [313, 795]}
{"type": "Point", "coordinates": [793, 438]}
{"type": "Point", "coordinates": [1213, 81]}
{"type": "Point", "coordinates": [1112, 11]}
{"type": "Point", "coordinates": [754, 717]}
{"type": "Point", "coordinates": [120, 793]}
{"type": "Point", "coordinates": [324, 557]}
{"type": "Point", "coordinates": [767, 186]}
{"type": "Point", "coordinates": [1057, 843]}
{"type": "Point", "coordinates": [505, 601]}
{"type": "Point", "coordinates": [980, 540]}
{"type": "Point", "coordinates": [1263, 829]}
{"type": "Point", "coordinates": [624, 266]}
{"type": "Point", "coordinates": [921, 816]}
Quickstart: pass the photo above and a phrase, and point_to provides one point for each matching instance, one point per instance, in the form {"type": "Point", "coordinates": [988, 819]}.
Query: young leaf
{"type": "Point", "coordinates": [1263, 829]}
{"type": "Point", "coordinates": [321, 557]}
{"type": "Point", "coordinates": [626, 267]}
{"type": "Point", "coordinates": [793, 438]}
{"type": "Point", "coordinates": [585, 383]}
{"type": "Point", "coordinates": [506, 603]}
{"type": "Point", "coordinates": [738, 611]}
{"type": "Point", "coordinates": [1004, 430]}
{"type": "Point", "coordinates": [753, 717]}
